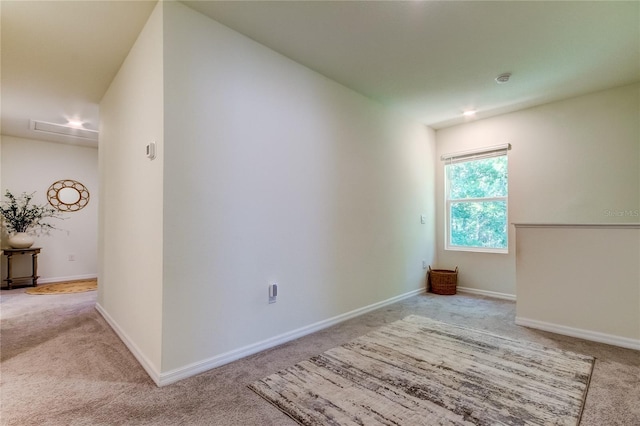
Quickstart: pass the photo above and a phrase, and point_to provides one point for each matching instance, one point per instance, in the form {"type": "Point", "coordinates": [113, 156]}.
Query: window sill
{"type": "Point", "coordinates": [478, 250]}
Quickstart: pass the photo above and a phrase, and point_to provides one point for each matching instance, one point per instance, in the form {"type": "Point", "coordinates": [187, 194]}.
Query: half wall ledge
{"type": "Point", "coordinates": [579, 225]}
{"type": "Point", "coordinates": [580, 277]}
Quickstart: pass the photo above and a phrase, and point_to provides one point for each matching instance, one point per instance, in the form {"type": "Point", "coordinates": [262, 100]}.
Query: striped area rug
{"type": "Point", "coordinates": [418, 371]}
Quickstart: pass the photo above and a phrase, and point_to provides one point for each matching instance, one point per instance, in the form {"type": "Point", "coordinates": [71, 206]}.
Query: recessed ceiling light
{"type": "Point", "coordinates": [469, 113]}
{"type": "Point", "coordinates": [503, 78]}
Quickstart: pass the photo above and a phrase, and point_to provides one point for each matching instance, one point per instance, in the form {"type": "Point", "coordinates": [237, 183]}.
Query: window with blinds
{"type": "Point", "coordinates": [476, 198]}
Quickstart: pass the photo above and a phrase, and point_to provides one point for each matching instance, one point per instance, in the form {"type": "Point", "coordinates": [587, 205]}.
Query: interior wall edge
{"type": "Point", "coordinates": [133, 348]}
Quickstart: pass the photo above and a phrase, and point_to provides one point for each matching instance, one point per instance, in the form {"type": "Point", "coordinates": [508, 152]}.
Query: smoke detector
{"type": "Point", "coordinates": [503, 78]}
{"type": "Point", "coordinates": [59, 129]}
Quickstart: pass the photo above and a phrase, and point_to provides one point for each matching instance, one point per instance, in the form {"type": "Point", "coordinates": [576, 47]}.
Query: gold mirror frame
{"type": "Point", "coordinates": [53, 195]}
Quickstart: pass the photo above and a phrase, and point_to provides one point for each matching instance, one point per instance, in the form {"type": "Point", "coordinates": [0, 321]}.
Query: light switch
{"type": "Point", "coordinates": [423, 219]}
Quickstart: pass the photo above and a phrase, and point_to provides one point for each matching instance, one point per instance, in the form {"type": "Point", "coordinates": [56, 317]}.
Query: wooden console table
{"type": "Point", "coordinates": [34, 265]}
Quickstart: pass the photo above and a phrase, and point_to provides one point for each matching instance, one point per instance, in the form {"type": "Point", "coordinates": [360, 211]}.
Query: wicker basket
{"type": "Point", "coordinates": [442, 281]}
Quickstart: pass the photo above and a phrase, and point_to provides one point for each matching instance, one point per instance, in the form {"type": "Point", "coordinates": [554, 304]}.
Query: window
{"type": "Point", "coordinates": [476, 192]}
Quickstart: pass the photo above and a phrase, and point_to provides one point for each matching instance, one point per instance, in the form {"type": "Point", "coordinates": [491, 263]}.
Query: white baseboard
{"type": "Point", "coordinates": [594, 336]}
{"type": "Point", "coordinates": [148, 367]}
{"type": "Point", "coordinates": [487, 293]}
{"type": "Point", "coordinates": [70, 278]}
{"type": "Point", "coordinates": [225, 358]}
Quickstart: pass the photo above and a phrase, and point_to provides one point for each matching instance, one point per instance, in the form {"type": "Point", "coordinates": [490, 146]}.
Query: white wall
{"type": "Point", "coordinates": [33, 166]}
{"type": "Point", "coordinates": [574, 161]}
{"type": "Point", "coordinates": [275, 173]}
{"type": "Point", "coordinates": [130, 271]}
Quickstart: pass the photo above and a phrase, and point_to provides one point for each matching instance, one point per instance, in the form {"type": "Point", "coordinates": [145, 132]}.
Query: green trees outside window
{"type": "Point", "coordinates": [477, 191]}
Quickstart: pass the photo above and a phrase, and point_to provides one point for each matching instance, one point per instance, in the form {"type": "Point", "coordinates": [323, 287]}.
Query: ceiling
{"type": "Point", "coordinates": [430, 60]}
{"type": "Point", "coordinates": [59, 57]}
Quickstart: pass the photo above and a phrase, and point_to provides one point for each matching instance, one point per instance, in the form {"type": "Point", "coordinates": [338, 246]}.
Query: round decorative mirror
{"type": "Point", "coordinates": [68, 195]}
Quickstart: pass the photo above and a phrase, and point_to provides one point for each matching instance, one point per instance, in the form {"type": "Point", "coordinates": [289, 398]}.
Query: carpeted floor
{"type": "Point", "coordinates": [61, 364]}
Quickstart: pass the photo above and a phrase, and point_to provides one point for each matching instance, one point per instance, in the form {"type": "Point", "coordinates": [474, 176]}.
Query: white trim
{"type": "Point", "coordinates": [594, 336]}
{"type": "Point", "coordinates": [225, 358]}
{"type": "Point", "coordinates": [70, 278]}
{"type": "Point", "coordinates": [478, 249]}
{"type": "Point", "coordinates": [477, 152]}
{"type": "Point", "coordinates": [137, 353]}
{"type": "Point", "coordinates": [494, 294]}
{"type": "Point", "coordinates": [579, 225]}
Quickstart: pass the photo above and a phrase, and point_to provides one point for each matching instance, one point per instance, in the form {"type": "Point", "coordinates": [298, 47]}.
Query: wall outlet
{"type": "Point", "coordinates": [424, 264]}
{"type": "Point", "coordinates": [273, 292]}
{"type": "Point", "coordinates": [150, 150]}
{"type": "Point", "coordinates": [72, 258]}
{"type": "Point", "coordinates": [423, 218]}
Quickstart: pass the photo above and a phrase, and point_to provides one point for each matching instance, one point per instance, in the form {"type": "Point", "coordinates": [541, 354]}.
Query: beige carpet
{"type": "Point", "coordinates": [63, 365]}
{"type": "Point", "coordinates": [65, 287]}
{"type": "Point", "coordinates": [421, 371]}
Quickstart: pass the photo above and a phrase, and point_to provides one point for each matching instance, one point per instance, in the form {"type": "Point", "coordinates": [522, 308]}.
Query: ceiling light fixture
{"type": "Point", "coordinates": [503, 78]}
{"type": "Point", "coordinates": [469, 113]}
{"type": "Point", "coordinates": [75, 123]}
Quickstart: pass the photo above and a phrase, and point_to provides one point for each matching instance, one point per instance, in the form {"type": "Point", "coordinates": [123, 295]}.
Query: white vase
{"type": "Point", "coordinates": [21, 240]}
